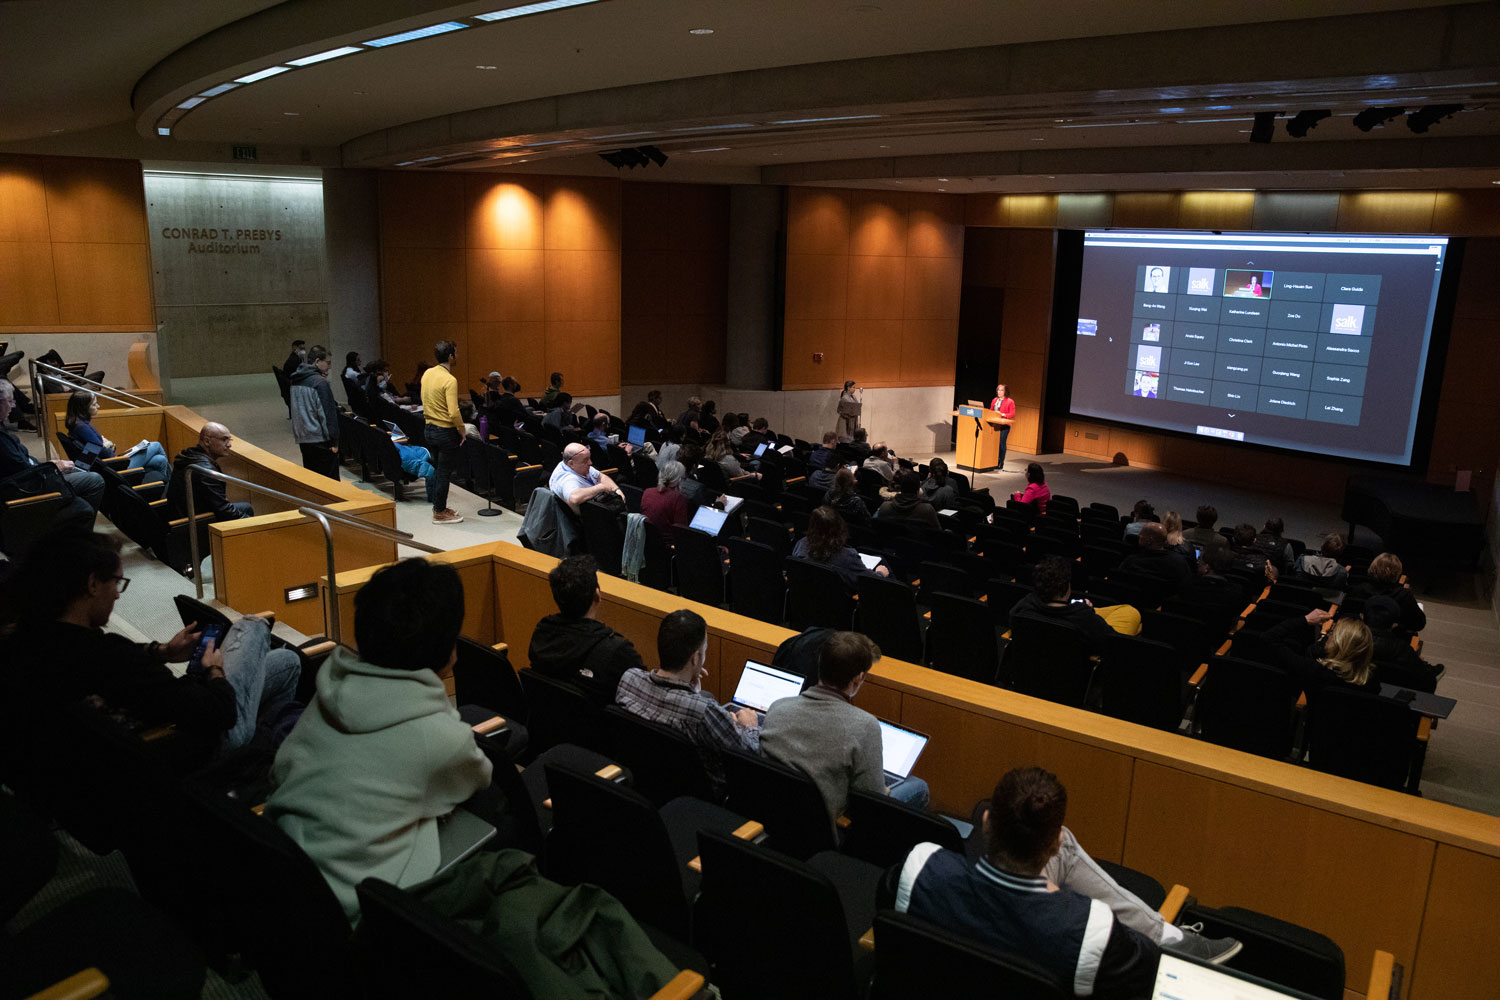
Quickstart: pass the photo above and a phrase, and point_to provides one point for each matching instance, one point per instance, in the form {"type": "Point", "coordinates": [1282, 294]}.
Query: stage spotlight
{"type": "Point", "coordinates": [1370, 117]}
{"type": "Point", "coordinates": [1299, 124]}
{"type": "Point", "coordinates": [1421, 121]}
{"type": "Point", "coordinates": [656, 155]}
{"type": "Point", "coordinates": [1264, 128]}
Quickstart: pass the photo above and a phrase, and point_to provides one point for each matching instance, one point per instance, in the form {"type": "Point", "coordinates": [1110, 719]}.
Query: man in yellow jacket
{"type": "Point", "coordinates": [444, 431]}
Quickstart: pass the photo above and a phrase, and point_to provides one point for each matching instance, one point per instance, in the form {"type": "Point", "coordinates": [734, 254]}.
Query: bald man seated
{"type": "Point", "coordinates": [576, 481]}
{"type": "Point", "coordinates": [214, 442]}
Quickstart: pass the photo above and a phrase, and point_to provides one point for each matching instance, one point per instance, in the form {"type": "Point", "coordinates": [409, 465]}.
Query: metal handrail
{"type": "Point", "coordinates": [44, 430]}
{"type": "Point", "coordinates": [308, 507]}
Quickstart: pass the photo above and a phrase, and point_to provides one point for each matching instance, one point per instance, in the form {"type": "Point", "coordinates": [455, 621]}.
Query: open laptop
{"type": "Point", "coordinates": [899, 750]}
{"type": "Point", "coordinates": [460, 834]}
{"type": "Point", "coordinates": [760, 449]}
{"type": "Point", "coordinates": [1179, 978]}
{"type": "Point", "coordinates": [709, 520]}
{"type": "Point", "coordinates": [760, 684]}
{"type": "Point", "coordinates": [636, 436]}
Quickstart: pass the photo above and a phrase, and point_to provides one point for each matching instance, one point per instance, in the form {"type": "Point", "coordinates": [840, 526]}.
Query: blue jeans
{"type": "Point", "coordinates": [912, 791]}
{"type": "Point", "coordinates": [264, 679]}
{"type": "Point", "coordinates": [154, 460]}
{"type": "Point", "coordinates": [443, 443]}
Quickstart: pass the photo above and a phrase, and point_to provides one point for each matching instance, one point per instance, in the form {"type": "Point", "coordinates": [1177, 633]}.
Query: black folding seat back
{"type": "Point", "coordinates": [783, 799]}
{"type": "Point", "coordinates": [665, 763]}
{"type": "Point", "coordinates": [883, 830]}
{"type": "Point", "coordinates": [1141, 681]}
{"type": "Point", "coordinates": [757, 588]}
{"type": "Point", "coordinates": [559, 713]}
{"type": "Point", "coordinates": [604, 533]}
{"type": "Point", "coordinates": [962, 638]}
{"type": "Point", "coordinates": [1363, 736]}
{"type": "Point", "coordinates": [1248, 706]}
{"type": "Point", "coordinates": [1048, 659]}
{"type": "Point", "coordinates": [915, 958]}
{"type": "Point", "coordinates": [816, 595]}
{"type": "Point", "coordinates": [484, 676]}
{"type": "Point", "coordinates": [888, 614]}
{"type": "Point", "coordinates": [700, 567]}
{"type": "Point", "coordinates": [1275, 950]}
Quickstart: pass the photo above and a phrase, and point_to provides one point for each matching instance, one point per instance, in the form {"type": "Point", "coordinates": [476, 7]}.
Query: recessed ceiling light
{"type": "Point", "coordinates": [292, 114]}
{"type": "Point", "coordinates": [56, 130]}
{"type": "Point", "coordinates": [720, 149]}
{"type": "Point", "coordinates": [943, 180]}
{"type": "Point", "coordinates": [262, 74]}
{"type": "Point", "coordinates": [222, 88]}
{"type": "Point", "coordinates": [884, 146]}
{"type": "Point", "coordinates": [1171, 111]}
{"type": "Point", "coordinates": [700, 31]}
{"type": "Point", "coordinates": [484, 67]}
{"type": "Point", "coordinates": [416, 33]}
{"type": "Point", "coordinates": [167, 131]}
{"type": "Point", "coordinates": [192, 102]}
{"type": "Point", "coordinates": [838, 118]}
{"type": "Point", "coordinates": [344, 50]}
{"type": "Point", "coordinates": [942, 189]}
{"type": "Point", "coordinates": [1217, 107]}
{"type": "Point", "coordinates": [1037, 139]}
{"type": "Point", "coordinates": [530, 8]}
{"type": "Point", "coordinates": [1495, 182]}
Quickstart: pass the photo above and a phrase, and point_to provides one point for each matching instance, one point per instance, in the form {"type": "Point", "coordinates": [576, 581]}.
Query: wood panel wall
{"type": "Point", "coordinates": [872, 285]}
{"type": "Point", "coordinates": [74, 255]}
{"type": "Point", "coordinates": [523, 273]}
{"type": "Point", "coordinates": [674, 283]}
{"type": "Point", "coordinates": [1467, 430]}
{"type": "Point", "coordinates": [1369, 867]}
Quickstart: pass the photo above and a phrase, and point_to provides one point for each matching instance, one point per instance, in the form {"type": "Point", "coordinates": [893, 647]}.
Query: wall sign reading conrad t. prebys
{"type": "Point", "coordinates": [221, 239]}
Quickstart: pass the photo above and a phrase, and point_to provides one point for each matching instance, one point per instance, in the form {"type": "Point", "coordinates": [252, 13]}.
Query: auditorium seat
{"type": "Point", "coordinates": [783, 799]}
{"type": "Point", "coordinates": [1142, 681]}
{"type": "Point", "coordinates": [1048, 659]}
{"type": "Point", "coordinates": [664, 762]}
{"type": "Point", "coordinates": [1248, 706]}
{"type": "Point", "coordinates": [963, 638]}
{"type": "Point", "coordinates": [816, 595]}
{"type": "Point", "coordinates": [883, 830]}
{"type": "Point", "coordinates": [757, 586]}
{"type": "Point", "coordinates": [914, 958]}
{"type": "Point", "coordinates": [1275, 950]}
{"type": "Point", "coordinates": [1365, 737]}
{"type": "Point", "coordinates": [698, 567]}
{"type": "Point", "coordinates": [483, 675]}
{"type": "Point", "coordinates": [888, 614]}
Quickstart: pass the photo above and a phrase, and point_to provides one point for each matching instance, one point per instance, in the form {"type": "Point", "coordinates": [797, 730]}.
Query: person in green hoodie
{"type": "Point", "coordinates": [381, 753]}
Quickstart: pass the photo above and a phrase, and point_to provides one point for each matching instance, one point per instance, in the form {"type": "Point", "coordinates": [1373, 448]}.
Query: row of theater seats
{"type": "Point", "coordinates": [1198, 666]}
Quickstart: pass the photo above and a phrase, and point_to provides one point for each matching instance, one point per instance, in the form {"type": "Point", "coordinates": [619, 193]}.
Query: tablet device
{"type": "Point", "coordinates": [635, 435]}
{"type": "Point", "coordinates": [708, 520]}
{"type": "Point", "coordinates": [869, 560]}
{"type": "Point", "coordinates": [760, 449]}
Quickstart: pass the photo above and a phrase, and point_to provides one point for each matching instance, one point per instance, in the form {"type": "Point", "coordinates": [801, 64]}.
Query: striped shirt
{"type": "Point", "coordinates": [668, 702]}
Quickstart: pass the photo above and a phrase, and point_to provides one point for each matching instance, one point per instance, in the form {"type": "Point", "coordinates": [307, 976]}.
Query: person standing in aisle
{"type": "Point", "coordinates": [315, 416]}
{"type": "Point", "coordinates": [444, 431]}
{"type": "Point", "coordinates": [851, 404]}
{"type": "Point", "coordinates": [1006, 407]}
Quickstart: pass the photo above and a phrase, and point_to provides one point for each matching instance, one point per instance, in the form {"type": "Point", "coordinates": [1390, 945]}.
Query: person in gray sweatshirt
{"type": "Point", "coordinates": [315, 416]}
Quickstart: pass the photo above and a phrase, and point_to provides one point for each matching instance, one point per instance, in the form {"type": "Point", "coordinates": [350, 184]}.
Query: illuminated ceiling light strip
{"type": "Point", "coordinates": [1208, 121]}
{"type": "Point", "coordinates": [222, 88]}
{"type": "Point", "coordinates": [415, 33]}
{"type": "Point", "coordinates": [269, 71]}
{"type": "Point", "coordinates": [615, 135]}
{"type": "Point", "coordinates": [191, 102]}
{"type": "Point", "coordinates": [710, 128]}
{"type": "Point", "coordinates": [710, 149]}
{"type": "Point", "coordinates": [530, 8]}
{"type": "Point", "coordinates": [163, 131]}
{"type": "Point", "coordinates": [346, 50]}
{"type": "Point", "coordinates": [838, 118]}
{"type": "Point", "coordinates": [1108, 124]}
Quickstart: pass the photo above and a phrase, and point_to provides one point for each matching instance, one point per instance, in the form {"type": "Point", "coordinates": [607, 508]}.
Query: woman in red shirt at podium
{"type": "Point", "coordinates": [1006, 407]}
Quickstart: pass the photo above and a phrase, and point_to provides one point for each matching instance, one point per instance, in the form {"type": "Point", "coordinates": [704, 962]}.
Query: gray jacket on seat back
{"type": "Point", "coordinates": [315, 416]}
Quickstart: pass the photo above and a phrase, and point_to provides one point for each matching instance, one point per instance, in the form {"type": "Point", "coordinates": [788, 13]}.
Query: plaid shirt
{"type": "Point", "coordinates": [660, 699]}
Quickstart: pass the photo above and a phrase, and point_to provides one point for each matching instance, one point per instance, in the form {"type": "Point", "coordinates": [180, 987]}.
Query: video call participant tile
{"type": "Point", "coordinates": [1249, 283]}
{"type": "Point", "coordinates": [1337, 349]}
{"type": "Point", "coordinates": [1349, 319]}
{"type": "Point", "coordinates": [1195, 364]}
{"type": "Point", "coordinates": [1282, 402]}
{"type": "Point", "coordinates": [1291, 345]}
{"type": "Point", "coordinates": [1234, 395]}
{"type": "Point", "coordinates": [1286, 374]}
{"type": "Point", "coordinates": [1300, 286]}
{"type": "Point", "coordinates": [1237, 368]}
{"type": "Point", "coordinates": [1150, 305]}
{"type": "Point", "coordinates": [1189, 390]}
{"type": "Point", "coordinates": [1237, 312]}
{"type": "Point", "coordinates": [1300, 316]}
{"type": "Point", "coordinates": [1343, 380]}
{"type": "Point", "coordinates": [1233, 340]}
{"type": "Point", "coordinates": [1147, 385]}
{"type": "Point", "coordinates": [1361, 289]}
{"type": "Point", "coordinates": [1333, 409]}
{"type": "Point", "coordinates": [1158, 278]}
{"type": "Point", "coordinates": [1194, 336]}
{"type": "Point", "coordinates": [1197, 309]}
{"type": "Point", "coordinates": [1200, 281]}
{"type": "Point", "coordinates": [1146, 357]}
{"type": "Point", "coordinates": [1150, 331]}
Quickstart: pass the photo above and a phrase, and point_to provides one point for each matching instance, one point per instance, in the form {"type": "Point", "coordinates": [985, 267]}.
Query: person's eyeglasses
{"type": "Point", "coordinates": [121, 582]}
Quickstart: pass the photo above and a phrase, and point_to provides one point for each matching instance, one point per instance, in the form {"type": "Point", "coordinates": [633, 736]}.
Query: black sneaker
{"type": "Point", "coordinates": [1215, 951]}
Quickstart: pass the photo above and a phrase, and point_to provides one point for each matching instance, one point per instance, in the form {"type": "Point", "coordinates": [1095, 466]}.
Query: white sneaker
{"type": "Point", "coordinates": [446, 517]}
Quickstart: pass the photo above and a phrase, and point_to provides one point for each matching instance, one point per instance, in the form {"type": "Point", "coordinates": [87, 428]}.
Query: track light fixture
{"type": "Point", "coordinates": [1298, 126]}
{"type": "Point", "coordinates": [1421, 121]}
{"type": "Point", "coordinates": [1370, 117]}
{"type": "Point", "coordinates": [1264, 128]}
{"type": "Point", "coordinates": [634, 156]}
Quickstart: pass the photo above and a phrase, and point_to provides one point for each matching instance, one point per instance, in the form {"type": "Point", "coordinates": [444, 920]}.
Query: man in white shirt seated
{"type": "Point", "coordinates": [576, 481]}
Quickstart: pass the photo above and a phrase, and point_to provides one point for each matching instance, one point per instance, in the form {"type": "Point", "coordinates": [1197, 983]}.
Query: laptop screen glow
{"type": "Point", "coordinates": [635, 435]}
{"type": "Point", "coordinates": [760, 449]}
{"type": "Point", "coordinates": [899, 749]}
{"type": "Point", "coordinates": [708, 520]}
{"type": "Point", "coordinates": [761, 684]}
{"type": "Point", "coordinates": [1178, 979]}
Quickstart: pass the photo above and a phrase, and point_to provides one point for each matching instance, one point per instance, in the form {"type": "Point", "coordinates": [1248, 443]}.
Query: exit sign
{"type": "Point", "coordinates": [244, 152]}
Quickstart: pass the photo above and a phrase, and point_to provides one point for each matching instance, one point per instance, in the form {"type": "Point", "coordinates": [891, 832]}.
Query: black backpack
{"type": "Point", "coordinates": [800, 654]}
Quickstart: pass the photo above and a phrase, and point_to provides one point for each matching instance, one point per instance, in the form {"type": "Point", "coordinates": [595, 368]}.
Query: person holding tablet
{"type": "Point", "coordinates": [83, 405]}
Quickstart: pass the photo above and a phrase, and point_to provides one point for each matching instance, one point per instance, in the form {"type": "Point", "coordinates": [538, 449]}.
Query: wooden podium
{"type": "Point", "coordinates": [978, 438]}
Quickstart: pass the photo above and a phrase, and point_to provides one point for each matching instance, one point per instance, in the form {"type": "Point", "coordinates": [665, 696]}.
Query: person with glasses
{"type": "Point", "coordinates": [61, 597]}
{"type": "Point", "coordinates": [209, 495]}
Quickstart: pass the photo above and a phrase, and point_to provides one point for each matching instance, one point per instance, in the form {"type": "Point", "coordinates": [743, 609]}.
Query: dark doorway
{"type": "Point", "coordinates": [980, 310]}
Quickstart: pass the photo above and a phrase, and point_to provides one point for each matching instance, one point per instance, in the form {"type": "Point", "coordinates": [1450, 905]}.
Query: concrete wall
{"type": "Point", "coordinates": [351, 223]}
{"type": "Point", "coordinates": [914, 420]}
{"type": "Point", "coordinates": [239, 268]}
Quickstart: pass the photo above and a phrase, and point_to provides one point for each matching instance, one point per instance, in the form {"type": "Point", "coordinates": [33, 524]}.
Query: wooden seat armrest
{"type": "Point", "coordinates": [1224, 648]}
{"type": "Point", "coordinates": [158, 733]}
{"type": "Point", "coordinates": [161, 503]}
{"type": "Point", "coordinates": [1198, 675]}
{"type": "Point", "coordinates": [867, 940]}
{"type": "Point", "coordinates": [682, 986]}
{"type": "Point", "coordinates": [1302, 699]}
{"type": "Point", "coordinates": [122, 461]}
{"type": "Point", "coordinates": [1172, 905]}
{"type": "Point", "coordinates": [610, 772]}
{"type": "Point", "coordinates": [610, 472]}
{"type": "Point", "coordinates": [1385, 977]}
{"type": "Point", "coordinates": [1416, 644]}
{"type": "Point", "coordinates": [259, 810]}
{"type": "Point", "coordinates": [79, 986]}
{"type": "Point", "coordinates": [11, 504]}
{"type": "Point", "coordinates": [144, 486]}
{"type": "Point", "coordinates": [796, 479]}
{"type": "Point", "coordinates": [175, 521]}
{"type": "Point", "coordinates": [493, 724]}
{"type": "Point", "coordinates": [844, 822]}
{"type": "Point", "coordinates": [1424, 729]}
{"type": "Point", "coordinates": [749, 830]}
{"type": "Point", "coordinates": [748, 475]}
{"type": "Point", "coordinates": [501, 647]}
{"type": "Point", "coordinates": [317, 649]}
{"type": "Point", "coordinates": [1248, 608]}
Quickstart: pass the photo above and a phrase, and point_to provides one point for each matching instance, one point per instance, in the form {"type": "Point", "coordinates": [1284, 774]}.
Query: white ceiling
{"type": "Point", "coordinates": [1036, 113]}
